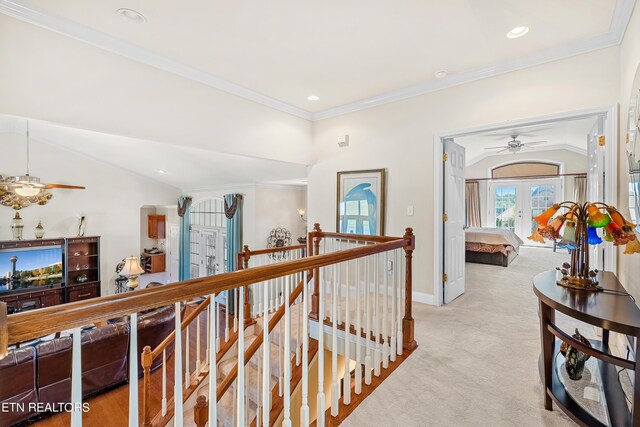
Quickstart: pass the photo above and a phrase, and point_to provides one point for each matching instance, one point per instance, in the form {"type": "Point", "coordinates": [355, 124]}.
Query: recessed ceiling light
{"type": "Point", "coordinates": [313, 97]}
{"type": "Point", "coordinates": [131, 15]}
{"type": "Point", "coordinates": [518, 32]}
{"type": "Point", "coordinates": [440, 74]}
{"type": "Point", "coordinates": [161, 171]}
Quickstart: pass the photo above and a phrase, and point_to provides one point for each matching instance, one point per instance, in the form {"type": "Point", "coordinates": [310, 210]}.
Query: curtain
{"type": "Point", "coordinates": [233, 212]}
{"type": "Point", "coordinates": [580, 189]}
{"type": "Point", "coordinates": [473, 204]}
{"type": "Point", "coordinates": [184, 261]}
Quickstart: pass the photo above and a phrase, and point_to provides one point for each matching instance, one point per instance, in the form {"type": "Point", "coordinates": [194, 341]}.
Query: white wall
{"type": "Point", "coordinates": [400, 137]}
{"type": "Point", "coordinates": [573, 163]}
{"type": "Point", "coordinates": [104, 92]}
{"type": "Point", "coordinates": [628, 265]}
{"type": "Point", "coordinates": [111, 202]}
{"type": "Point", "coordinates": [277, 207]}
{"type": "Point", "coordinates": [265, 207]}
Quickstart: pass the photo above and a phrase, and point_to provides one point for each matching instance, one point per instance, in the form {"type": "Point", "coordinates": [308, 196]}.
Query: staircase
{"type": "Point", "coordinates": [314, 329]}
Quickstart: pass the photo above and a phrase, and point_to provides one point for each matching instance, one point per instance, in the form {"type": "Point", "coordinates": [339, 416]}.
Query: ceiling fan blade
{"type": "Point", "coordinates": [64, 186]}
{"type": "Point", "coordinates": [534, 143]}
{"type": "Point", "coordinates": [494, 148]}
{"type": "Point", "coordinates": [504, 149]}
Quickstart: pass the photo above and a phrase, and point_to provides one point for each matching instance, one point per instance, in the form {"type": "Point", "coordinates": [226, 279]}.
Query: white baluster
{"type": "Point", "coordinates": [400, 302]}
{"type": "Point", "coordinates": [335, 384]}
{"type": "Point", "coordinates": [213, 338]}
{"type": "Point", "coordinates": [258, 399]}
{"type": "Point", "coordinates": [281, 376]}
{"type": "Point", "coordinates": [287, 353]}
{"type": "Point", "coordinates": [304, 409]}
{"type": "Point", "coordinates": [299, 338]}
{"type": "Point", "coordinates": [133, 370]}
{"type": "Point", "coordinates": [394, 304]}
{"type": "Point", "coordinates": [320, 395]}
{"type": "Point", "coordinates": [377, 355]}
{"type": "Point", "coordinates": [208, 333]}
{"type": "Point", "coordinates": [358, 387]}
{"type": "Point", "coordinates": [197, 369]}
{"type": "Point", "coordinates": [241, 387]}
{"type": "Point", "coordinates": [236, 304]}
{"type": "Point", "coordinates": [385, 308]}
{"type": "Point", "coordinates": [164, 382]}
{"type": "Point", "coordinates": [178, 419]}
{"type": "Point", "coordinates": [346, 378]}
{"type": "Point", "coordinates": [76, 379]}
{"type": "Point", "coordinates": [338, 300]}
{"type": "Point", "coordinates": [227, 309]}
{"type": "Point", "coordinates": [368, 362]}
{"type": "Point", "coordinates": [217, 314]}
{"type": "Point", "coordinates": [187, 376]}
{"type": "Point", "coordinates": [266, 352]}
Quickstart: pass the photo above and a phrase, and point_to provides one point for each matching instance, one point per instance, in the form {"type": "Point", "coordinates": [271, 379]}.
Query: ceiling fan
{"type": "Point", "coordinates": [515, 145]}
{"type": "Point", "coordinates": [22, 190]}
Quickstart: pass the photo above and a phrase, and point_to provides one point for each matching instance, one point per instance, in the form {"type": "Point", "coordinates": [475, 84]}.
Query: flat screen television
{"type": "Point", "coordinates": [30, 267]}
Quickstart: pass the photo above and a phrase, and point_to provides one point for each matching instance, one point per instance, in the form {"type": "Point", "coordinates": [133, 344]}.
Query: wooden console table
{"type": "Point", "coordinates": [611, 311]}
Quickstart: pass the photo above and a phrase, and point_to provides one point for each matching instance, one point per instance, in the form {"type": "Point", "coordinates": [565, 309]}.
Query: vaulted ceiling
{"type": "Point", "coordinates": [351, 54]}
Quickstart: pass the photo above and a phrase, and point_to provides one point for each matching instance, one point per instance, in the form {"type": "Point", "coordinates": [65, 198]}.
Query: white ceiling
{"type": "Point", "coordinates": [568, 135]}
{"type": "Point", "coordinates": [355, 53]}
{"type": "Point", "coordinates": [184, 166]}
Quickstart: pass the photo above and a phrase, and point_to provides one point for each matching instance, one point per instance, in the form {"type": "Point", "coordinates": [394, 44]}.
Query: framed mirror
{"type": "Point", "coordinates": [633, 149]}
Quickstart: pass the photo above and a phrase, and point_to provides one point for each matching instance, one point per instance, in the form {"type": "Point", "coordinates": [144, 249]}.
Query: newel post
{"type": "Point", "coordinates": [146, 361]}
{"type": "Point", "coordinates": [409, 343]}
{"type": "Point", "coordinates": [243, 264]}
{"type": "Point", "coordinates": [4, 331]}
{"type": "Point", "coordinates": [201, 411]}
{"type": "Point", "coordinates": [314, 249]}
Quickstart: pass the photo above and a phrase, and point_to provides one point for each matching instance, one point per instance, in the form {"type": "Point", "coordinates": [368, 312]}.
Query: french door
{"type": "Point", "coordinates": [208, 251]}
{"type": "Point", "coordinates": [514, 204]}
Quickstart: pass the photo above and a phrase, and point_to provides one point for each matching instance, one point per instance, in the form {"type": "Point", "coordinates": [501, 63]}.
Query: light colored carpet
{"type": "Point", "coordinates": [477, 360]}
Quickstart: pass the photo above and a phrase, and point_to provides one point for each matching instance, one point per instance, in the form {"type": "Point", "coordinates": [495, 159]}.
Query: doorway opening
{"type": "Point", "coordinates": [491, 181]}
{"type": "Point", "coordinates": [208, 236]}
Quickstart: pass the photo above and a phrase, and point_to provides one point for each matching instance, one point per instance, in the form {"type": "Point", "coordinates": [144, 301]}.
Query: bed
{"type": "Point", "coordinates": [495, 246]}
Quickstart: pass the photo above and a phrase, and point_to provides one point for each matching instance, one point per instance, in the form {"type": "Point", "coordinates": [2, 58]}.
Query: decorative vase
{"type": "Point", "coordinates": [39, 231]}
{"type": "Point", "coordinates": [574, 358]}
{"type": "Point", "coordinates": [82, 278]}
{"type": "Point", "coordinates": [17, 227]}
{"type": "Point", "coordinates": [82, 225]}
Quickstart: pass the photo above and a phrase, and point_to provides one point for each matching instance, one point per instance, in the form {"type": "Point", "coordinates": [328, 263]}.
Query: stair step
{"type": "Point", "coordinates": [277, 369]}
{"type": "Point", "coordinates": [227, 410]}
{"type": "Point", "coordinates": [251, 378]}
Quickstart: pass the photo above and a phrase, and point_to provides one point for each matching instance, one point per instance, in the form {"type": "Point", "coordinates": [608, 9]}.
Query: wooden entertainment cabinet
{"type": "Point", "coordinates": [80, 274]}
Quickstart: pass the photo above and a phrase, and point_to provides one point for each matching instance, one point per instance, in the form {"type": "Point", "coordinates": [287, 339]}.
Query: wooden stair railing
{"type": "Point", "coordinates": [318, 267]}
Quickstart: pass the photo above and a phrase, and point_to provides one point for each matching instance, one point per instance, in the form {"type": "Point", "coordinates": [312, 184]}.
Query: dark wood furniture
{"type": "Point", "coordinates": [153, 263]}
{"type": "Point", "coordinates": [496, 258]}
{"type": "Point", "coordinates": [157, 228]}
{"type": "Point", "coordinates": [80, 256]}
{"type": "Point", "coordinates": [611, 310]}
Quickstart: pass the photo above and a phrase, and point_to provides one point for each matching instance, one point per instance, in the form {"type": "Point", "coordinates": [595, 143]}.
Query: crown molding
{"type": "Point", "coordinates": [24, 11]}
{"type": "Point", "coordinates": [617, 29]}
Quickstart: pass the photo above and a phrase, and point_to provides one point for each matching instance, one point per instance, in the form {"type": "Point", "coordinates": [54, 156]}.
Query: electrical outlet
{"type": "Point", "coordinates": [410, 210]}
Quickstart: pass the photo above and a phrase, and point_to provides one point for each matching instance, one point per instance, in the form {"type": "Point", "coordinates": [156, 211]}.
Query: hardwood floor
{"type": "Point", "coordinates": [111, 409]}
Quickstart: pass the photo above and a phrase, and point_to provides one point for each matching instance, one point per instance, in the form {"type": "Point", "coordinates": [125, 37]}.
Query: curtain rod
{"type": "Point", "coordinates": [525, 177]}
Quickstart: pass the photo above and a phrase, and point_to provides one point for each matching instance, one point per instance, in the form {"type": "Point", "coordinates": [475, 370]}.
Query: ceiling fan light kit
{"type": "Point", "coordinates": [21, 191]}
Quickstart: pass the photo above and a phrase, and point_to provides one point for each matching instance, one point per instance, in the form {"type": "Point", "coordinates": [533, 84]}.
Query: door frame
{"type": "Point", "coordinates": [610, 113]}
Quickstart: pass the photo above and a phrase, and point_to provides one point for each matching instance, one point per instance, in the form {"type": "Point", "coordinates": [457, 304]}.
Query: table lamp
{"type": "Point", "coordinates": [132, 270]}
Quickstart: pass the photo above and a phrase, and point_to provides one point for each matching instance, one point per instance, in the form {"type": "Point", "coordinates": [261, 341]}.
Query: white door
{"type": "Point", "coordinates": [595, 184]}
{"type": "Point", "coordinates": [454, 205]}
{"type": "Point", "coordinates": [208, 263]}
{"type": "Point", "coordinates": [174, 251]}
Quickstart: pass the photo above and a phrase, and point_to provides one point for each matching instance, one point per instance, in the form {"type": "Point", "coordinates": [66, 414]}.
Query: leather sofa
{"type": "Point", "coordinates": [17, 385]}
{"type": "Point", "coordinates": [41, 372]}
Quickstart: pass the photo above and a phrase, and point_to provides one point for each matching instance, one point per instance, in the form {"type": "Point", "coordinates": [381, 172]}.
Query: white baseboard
{"type": "Point", "coordinates": [422, 298]}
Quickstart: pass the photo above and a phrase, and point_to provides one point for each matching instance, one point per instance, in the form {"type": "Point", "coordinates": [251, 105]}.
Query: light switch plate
{"type": "Point", "coordinates": [410, 210]}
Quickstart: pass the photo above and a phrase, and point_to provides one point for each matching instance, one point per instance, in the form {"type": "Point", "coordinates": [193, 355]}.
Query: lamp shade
{"type": "Point", "coordinates": [131, 267]}
{"type": "Point", "coordinates": [593, 237]}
